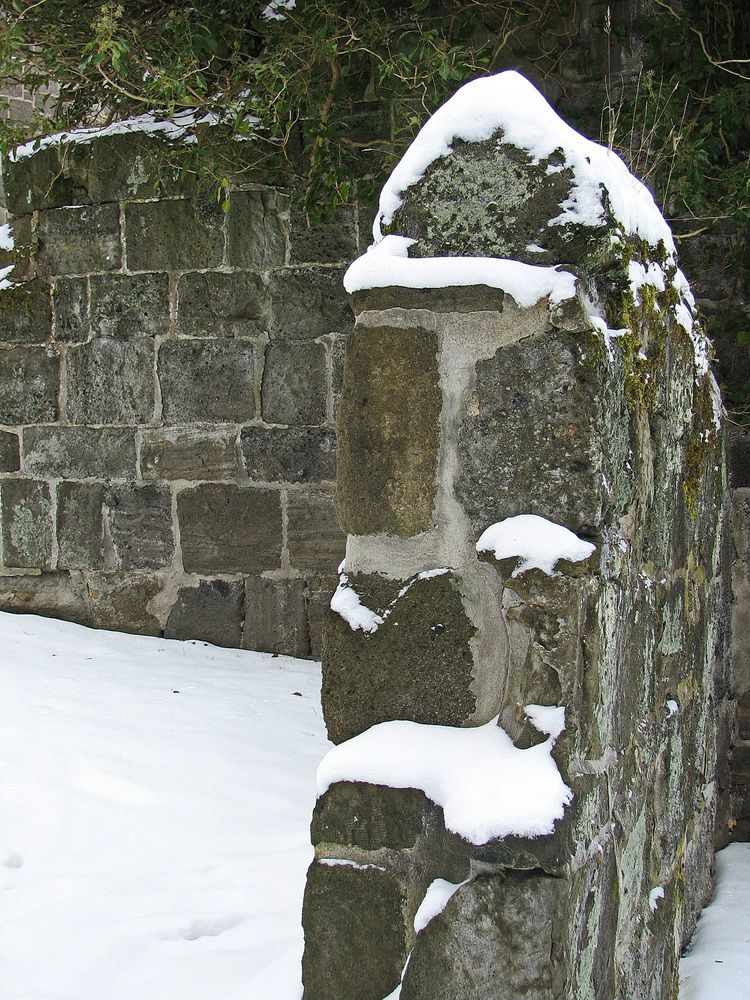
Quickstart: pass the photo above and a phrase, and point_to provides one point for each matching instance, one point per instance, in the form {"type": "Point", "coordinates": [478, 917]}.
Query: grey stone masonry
{"type": "Point", "coordinates": [169, 376]}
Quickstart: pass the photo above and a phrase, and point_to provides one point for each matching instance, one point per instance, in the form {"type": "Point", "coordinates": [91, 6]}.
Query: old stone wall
{"type": "Point", "coordinates": [169, 375]}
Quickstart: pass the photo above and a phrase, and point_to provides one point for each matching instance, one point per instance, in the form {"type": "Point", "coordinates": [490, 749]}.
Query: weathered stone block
{"type": "Point", "coordinates": [174, 235]}
{"type": "Point", "coordinates": [129, 305]}
{"type": "Point", "coordinates": [389, 432]}
{"type": "Point", "coordinates": [294, 383]}
{"type": "Point", "coordinates": [526, 440]}
{"type": "Point", "coordinates": [188, 453]}
{"type": "Point", "coordinates": [40, 182]}
{"type": "Point", "coordinates": [221, 305]}
{"type": "Point", "coordinates": [328, 242]}
{"type": "Point", "coordinates": [370, 817]}
{"type": "Point", "coordinates": [354, 928]}
{"type": "Point", "coordinates": [207, 380]}
{"type": "Point", "coordinates": [127, 166]}
{"type": "Point", "coordinates": [55, 595]}
{"type": "Point", "coordinates": [307, 302]}
{"type": "Point", "coordinates": [292, 455]}
{"type": "Point", "coordinates": [29, 383]}
{"type": "Point", "coordinates": [25, 313]}
{"type": "Point", "coordinates": [211, 612]}
{"type": "Point", "coordinates": [427, 627]}
{"type": "Point", "coordinates": [139, 521]}
{"type": "Point", "coordinates": [318, 593]}
{"type": "Point", "coordinates": [110, 382]}
{"type": "Point", "coordinates": [316, 542]}
{"type": "Point", "coordinates": [26, 532]}
{"type": "Point", "coordinates": [10, 458]}
{"type": "Point", "coordinates": [257, 229]}
{"type": "Point", "coordinates": [499, 929]}
{"type": "Point", "coordinates": [79, 452]}
{"type": "Point", "coordinates": [79, 240]}
{"type": "Point", "coordinates": [80, 526]}
{"type": "Point", "coordinates": [275, 619]}
{"type": "Point", "coordinates": [225, 529]}
{"type": "Point", "coordinates": [338, 361]}
{"type": "Point", "coordinates": [21, 256]}
{"type": "Point", "coordinates": [70, 301]}
{"type": "Point", "coordinates": [121, 601]}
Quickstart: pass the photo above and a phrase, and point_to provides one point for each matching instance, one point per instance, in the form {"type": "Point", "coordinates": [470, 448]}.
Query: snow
{"type": "Point", "coordinates": [548, 719]}
{"type": "Point", "coordinates": [717, 963]}
{"type": "Point", "coordinates": [346, 601]}
{"type": "Point", "coordinates": [638, 276]}
{"type": "Point", "coordinates": [154, 821]}
{"type": "Point", "coordinates": [510, 104]}
{"type": "Point", "coordinates": [387, 263]}
{"type": "Point", "coordinates": [273, 11]}
{"type": "Point", "coordinates": [179, 126]}
{"type": "Point", "coordinates": [654, 896]}
{"type": "Point", "coordinates": [6, 237]}
{"type": "Point", "coordinates": [536, 541]}
{"type": "Point", "coordinates": [5, 281]}
{"type": "Point", "coordinates": [435, 901]}
{"type": "Point", "coordinates": [672, 707]}
{"type": "Point", "coordinates": [487, 787]}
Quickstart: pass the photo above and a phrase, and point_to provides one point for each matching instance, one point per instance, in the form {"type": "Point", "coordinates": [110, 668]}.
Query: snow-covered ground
{"type": "Point", "coordinates": [154, 816]}
{"type": "Point", "coordinates": [154, 823]}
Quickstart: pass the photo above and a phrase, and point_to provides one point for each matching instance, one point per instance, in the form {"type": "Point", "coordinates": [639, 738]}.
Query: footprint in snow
{"type": "Point", "coordinates": [211, 925]}
{"type": "Point", "coordinates": [12, 860]}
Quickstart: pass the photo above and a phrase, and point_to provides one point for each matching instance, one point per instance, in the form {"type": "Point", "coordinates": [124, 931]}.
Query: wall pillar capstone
{"type": "Point", "coordinates": [519, 662]}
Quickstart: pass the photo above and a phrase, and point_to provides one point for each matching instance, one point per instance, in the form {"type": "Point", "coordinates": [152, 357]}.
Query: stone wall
{"type": "Point", "coordinates": [169, 375]}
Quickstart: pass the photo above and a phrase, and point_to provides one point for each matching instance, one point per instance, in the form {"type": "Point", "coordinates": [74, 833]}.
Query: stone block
{"type": "Point", "coordinates": [225, 529]}
{"type": "Point", "coordinates": [257, 229]}
{"type": "Point", "coordinates": [743, 716]}
{"type": "Point", "coordinates": [316, 542]}
{"type": "Point", "coordinates": [332, 240]}
{"type": "Point", "coordinates": [79, 452]}
{"type": "Point", "coordinates": [308, 302]}
{"type": "Point", "coordinates": [275, 619]}
{"type": "Point", "coordinates": [120, 601]}
{"type": "Point", "coordinates": [188, 453]}
{"type": "Point", "coordinates": [80, 526]}
{"type": "Point", "coordinates": [29, 384]}
{"type": "Point", "coordinates": [26, 313]}
{"type": "Point", "coordinates": [139, 526]}
{"type": "Point", "coordinates": [389, 432]}
{"type": "Point", "coordinates": [211, 612]}
{"type": "Point", "coordinates": [371, 817]}
{"type": "Point", "coordinates": [294, 383]}
{"type": "Point", "coordinates": [110, 382]}
{"type": "Point", "coordinates": [127, 166]}
{"type": "Point", "coordinates": [21, 257]}
{"type": "Point", "coordinates": [129, 305]}
{"type": "Point", "coordinates": [499, 929]}
{"type": "Point", "coordinates": [221, 305]}
{"type": "Point", "coordinates": [738, 457]}
{"type": "Point", "coordinates": [427, 628]}
{"type": "Point", "coordinates": [26, 531]}
{"type": "Point", "coordinates": [54, 595]}
{"type": "Point", "coordinates": [338, 361]}
{"type": "Point", "coordinates": [10, 458]}
{"type": "Point", "coordinates": [79, 240]}
{"type": "Point", "coordinates": [174, 235]}
{"type": "Point", "coordinates": [207, 381]}
{"type": "Point", "coordinates": [355, 941]}
{"type": "Point", "coordinates": [292, 455]}
{"type": "Point", "coordinates": [40, 182]}
{"type": "Point", "coordinates": [70, 302]}
{"type": "Point", "coordinates": [318, 593]}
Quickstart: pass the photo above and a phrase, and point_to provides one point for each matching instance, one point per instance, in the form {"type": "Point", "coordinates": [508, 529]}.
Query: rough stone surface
{"type": "Point", "coordinates": [355, 917]}
{"type": "Point", "coordinates": [10, 459]}
{"type": "Point", "coordinates": [70, 299]}
{"type": "Point", "coordinates": [294, 383]}
{"type": "Point", "coordinates": [293, 454]}
{"type": "Point", "coordinates": [121, 601]}
{"type": "Point", "coordinates": [388, 433]}
{"type": "Point", "coordinates": [226, 529]}
{"type": "Point", "coordinates": [29, 383]}
{"type": "Point", "coordinates": [308, 303]}
{"type": "Point", "coordinates": [111, 382]}
{"type": "Point", "coordinates": [125, 305]}
{"type": "Point", "coordinates": [315, 540]}
{"type": "Point", "coordinates": [221, 305]}
{"type": "Point", "coordinates": [195, 453]}
{"type": "Point", "coordinates": [173, 235]}
{"type": "Point", "coordinates": [275, 618]}
{"type": "Point", "coordinates": [80, 525]}
{"type": "Point", "coordinates": [79, 452]}
{"type": "Point", "coordinates": [26, 524]}
{"type": "Point", "coordinates": [79, 240]}
{"type": "Point", "coordinates": [139, 527]}
{"type": "Point", "coordinates": [428, 629]}
{"type": "Point", "coordinates": [370, 817]}
{"type": "Point", "coordinates": [257, 229]}
{"type": "Point", "coordinates": [25, 313]}
{"type": "Point", "coordinates": [331, 241]}
{"type": "Point", "coordinates": [211, 612]}
{"type": "Point", "coordinates": [206, 381]}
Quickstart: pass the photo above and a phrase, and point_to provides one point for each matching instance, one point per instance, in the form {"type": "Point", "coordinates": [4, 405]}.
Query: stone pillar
{"type": "Point", "coordinates": [531, 477]}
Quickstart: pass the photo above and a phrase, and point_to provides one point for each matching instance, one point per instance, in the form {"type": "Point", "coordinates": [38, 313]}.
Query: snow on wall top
{"type": "Point", "coordinates": [510, 104]}
{"type": "Point", "coordinates": [537, 542]}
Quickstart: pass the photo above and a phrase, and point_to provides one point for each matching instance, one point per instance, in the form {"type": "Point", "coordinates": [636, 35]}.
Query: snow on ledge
{"type": "Point", "coordinates": [536, 541]}
{"type": "Point", "coordinates": [435, 901]}
{"type": "Point", "coordinates": [346, 601]}
{"type": "Point", "coordinates": [509, 103]}
{"type": "Point", "coordinates": [487, 787]}
{"type": "Point", "coordinates": [387, 263]}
